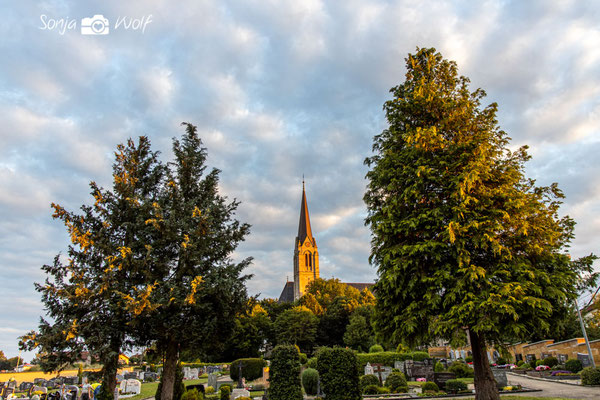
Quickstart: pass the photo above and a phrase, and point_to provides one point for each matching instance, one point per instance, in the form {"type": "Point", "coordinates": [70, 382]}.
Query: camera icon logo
{"type": "Point", "coordinates": [96, 25]}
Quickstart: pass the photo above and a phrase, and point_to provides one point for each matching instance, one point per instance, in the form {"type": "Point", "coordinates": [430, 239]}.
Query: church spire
{"type": "Point", "coordinates": [304, 230]}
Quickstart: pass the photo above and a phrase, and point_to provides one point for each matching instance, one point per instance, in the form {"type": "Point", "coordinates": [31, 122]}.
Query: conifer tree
{"type": "Point", "coordinates": [460, 237]}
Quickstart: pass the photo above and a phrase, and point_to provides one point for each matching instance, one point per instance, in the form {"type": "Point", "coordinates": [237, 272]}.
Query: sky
{"type": "Point", "coordinates": [278, 90]}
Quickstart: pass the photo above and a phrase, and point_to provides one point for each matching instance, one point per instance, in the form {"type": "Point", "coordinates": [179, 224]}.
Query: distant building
{"type": "Point", "coordinates": [306, 258]}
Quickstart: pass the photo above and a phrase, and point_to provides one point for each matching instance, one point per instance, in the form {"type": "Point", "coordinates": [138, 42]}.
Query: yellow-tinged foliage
{"type": "Point", "coordinates": [186, 241]}
{"type": "Point", "coordinates": [196, 212]}
{"type": "Point", "coordinates": [141, 302]}
{"type": "Point", "coordinates": [191, 297]}
{"type": "Point", "coordinates": [256, 310]}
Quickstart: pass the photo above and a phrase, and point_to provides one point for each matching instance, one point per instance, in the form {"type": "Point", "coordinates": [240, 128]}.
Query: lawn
{"type": "Point", "coordinates": [149, 389]}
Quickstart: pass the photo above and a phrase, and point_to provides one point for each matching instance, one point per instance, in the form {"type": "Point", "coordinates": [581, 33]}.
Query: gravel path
{"type": "Point", "coordinates": [554, 389]}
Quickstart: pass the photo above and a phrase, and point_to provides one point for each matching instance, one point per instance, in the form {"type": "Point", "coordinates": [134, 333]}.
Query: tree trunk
{"type": "Point", "coordinates": [169, 367]}
{"type": "Point", "coordinates": [109, 376]}
{"type": "Point", "coordinates": [485, 384]}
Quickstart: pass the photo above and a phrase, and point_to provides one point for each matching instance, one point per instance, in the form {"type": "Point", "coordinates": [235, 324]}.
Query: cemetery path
{"type": "Point", "coordinates": [553, 389]}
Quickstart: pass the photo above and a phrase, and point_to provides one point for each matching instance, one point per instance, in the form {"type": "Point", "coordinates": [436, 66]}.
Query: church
{"type": "Point", "coordinates": [306, 258]}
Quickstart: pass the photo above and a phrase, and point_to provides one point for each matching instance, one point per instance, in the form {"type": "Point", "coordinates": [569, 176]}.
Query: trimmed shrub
{"type": "Point", "coordinates": [338, 373]}
{"type": "Point", "coordinates": [539, 362]}
{"type": "Point", "coordinates": [590, 376]}
{"type": "Point", "coordinates": [209, 390]}
{"type": "Point", "coordinates": [520, 363]}
{"type": "Point", "coordinates": [396, 382]}
{"type": "Point", "coordinates": [312, 363]}
{"type": "Point", "coordinates": [369, 380]}
{"type": "Point", "coordinates": [550, 361]}
{"type": "Point", "coordinates": [310, 381]}
{"type": "Point", "coordinates": [371, 389]}
{"type": "Point", "coordinates": [225, 391]}
{"type": "Point", "coordinates": [438, 367]}
{"type": "Point", "coordinates": [573, 365]}
{"type": "Point", "coordinates": [376, 348]}
{"type": "Point", "coordinates": [455, 386]}
{"type": "Point", "coordinates": [461, 370]}
{"type": "Point", "coordinates": [383, 390]}
{"type": "Point", "coordinates": [252, 368]}
{"type": "Point", "coordinates": [385, 358]}
{"type": "Point", "coordinates": [430, 387]}
{"type": "Point", "coordinates": [420, 355]}
{"type": "Point", "coordinates": [284, 374]}
{"type": "Point", "coordinates": [192, 395]}
{"type": "Point", "coordinates": [469, 359]}
{"type": "Point", "coordinates": [501, 361]}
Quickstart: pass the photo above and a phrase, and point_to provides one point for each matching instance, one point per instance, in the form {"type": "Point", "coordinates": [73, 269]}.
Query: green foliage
{"type": "Point", "coordinates": [284, 374]}
{"type": "Point", "coordinates": [520, 363]}
{"type": "Point", "coordinates": [419, 355]}
{"type": "Point", "coordinates": [396, 382]}
{"type": "Point", "coordinates": [338, 373]}
{"type": "Point", "coordinates": [501, 361]}
{"type": "Point", "coordinates": [321, 294]}
{"type": "Point", "coordinates": [192, 395]}
{"type": "Point", "coordinates": [369, 380]}
{"type": "Point", "coordinates": [383, 390]}
{"type": "Point", "coordinates": [430, 387]}
{"type": "Point", "coordinates": [539, 362]}
{"type": "Point", "coordinates": [312, 363]}
{"type": "Point", "coordinates": [385, 358]}
{"type": "Point", "coordinates": [376, 348]}
{"type": "Point", "coordinates": [359, 334]}
{"type": "Point", "coordinates": [297, 326]}
{"type": "Point", "coordinates": [224, 392]}
{"type": "Point", "coordinates": [310, 381]}
{"type": "Point", "coordinates": [468, 359]}
{"type": "Point", "coordinates": [454, 218]}
{"type": "Point", "coordinates": [590, 376]}
{"type": "Point", "coordinates": [371, 389]}
{"type": "Point", "coordinates": [252, 368]}
{"type": "Point", "coordinates": [573, 365]}
{"type": "Point", "coordinates": [550, 361]}
{"type": "Point", "coordinates": [455, 386]}
{"type": "Point", "coordinates": [438, 367]}
{"type": "Point", "coordinates": [461, 370]}
{"type": "Point", "coordinates": [303, 358]}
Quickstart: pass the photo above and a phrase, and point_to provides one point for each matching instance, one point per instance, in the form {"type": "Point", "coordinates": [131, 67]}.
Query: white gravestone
{"type": "Point", "coordinates": [134, 386]}
{"type": "Point", "coordinates": [239, 393]}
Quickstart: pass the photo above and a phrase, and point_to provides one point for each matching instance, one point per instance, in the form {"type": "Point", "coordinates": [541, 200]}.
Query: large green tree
{"type": "Point", "coordinates": [199, 288]}
{"type": "Point", "coordinates": [297, 326]}
{"type": "Point", "coordinates": [460, 237]}
{"type": "Point", "coordinates": [93, 295]}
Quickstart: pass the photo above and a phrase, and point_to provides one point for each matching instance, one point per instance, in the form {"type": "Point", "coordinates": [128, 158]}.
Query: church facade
{"type": "Point", "coordinates": [306, 258]}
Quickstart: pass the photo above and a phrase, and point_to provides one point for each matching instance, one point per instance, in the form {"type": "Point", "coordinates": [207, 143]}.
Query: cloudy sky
{"type": "Point", "coordinates": [278, 89]}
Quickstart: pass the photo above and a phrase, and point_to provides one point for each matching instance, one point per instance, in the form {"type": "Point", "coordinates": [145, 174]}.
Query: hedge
{"type": "Point", "coordinates": [252, 368]}
{"type": "Point", "coordinates": [385, 358]}
{"type": "Point", "coordinates": [338, 373]}
{"type": "Point", "coordinates": [590, 376]}
{"type": "Point", "coordinates": [455, 386]}
{"type": "Point", "coordinates": [284, 374]}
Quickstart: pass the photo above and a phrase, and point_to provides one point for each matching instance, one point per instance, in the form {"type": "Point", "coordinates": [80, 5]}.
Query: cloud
{"type": "Point", "coordinates": [278, 90]}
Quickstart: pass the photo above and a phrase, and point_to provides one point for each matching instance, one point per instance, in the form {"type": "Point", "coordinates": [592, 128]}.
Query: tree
{"type": "Point", "coordinates": [198, 286]}
{"type": "Point", "coordinates": [359, 334]}
{"type": "Point", "coordinates": [94, 295]}
{"type": "Point", "coordinates": [460, 238]}
{"type": "Point", "coordinates": [252, 330]}
{"type": "Point", "coordinates": [321, 293]}
{"type": "Point", "coordinates": [297, 326]}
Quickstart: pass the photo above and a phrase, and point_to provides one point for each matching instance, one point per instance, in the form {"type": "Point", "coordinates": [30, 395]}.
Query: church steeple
{"type": "Point", "coordinates": [306, 254]}
{"type": "Point", "coordinates": [304, 230]}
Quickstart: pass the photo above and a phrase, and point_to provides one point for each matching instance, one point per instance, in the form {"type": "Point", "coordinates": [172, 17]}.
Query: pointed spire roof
{"type": "Point", "coordinates": [304, 230]}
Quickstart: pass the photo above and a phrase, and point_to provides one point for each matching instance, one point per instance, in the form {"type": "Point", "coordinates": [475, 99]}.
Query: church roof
{"type": "Point", "coordinates": [287, 294]}
{"type": "Point", "coordinates": [304, 230]}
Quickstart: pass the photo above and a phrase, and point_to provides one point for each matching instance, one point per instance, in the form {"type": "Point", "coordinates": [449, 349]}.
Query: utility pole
{"type": "Point", "coordinates": [587, 342]}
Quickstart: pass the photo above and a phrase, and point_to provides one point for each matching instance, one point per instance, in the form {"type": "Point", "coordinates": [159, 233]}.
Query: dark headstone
{"type": "Point", "coordinates": [440, 378]}
{"type": "Point", "coordinates": [500, 377]}
{"type": "Point", "coordinates": [585, 360]}
{"type": "Point", "coordinates": [25, 386]}
{"type": "Point", "coordinates": [130, 375]}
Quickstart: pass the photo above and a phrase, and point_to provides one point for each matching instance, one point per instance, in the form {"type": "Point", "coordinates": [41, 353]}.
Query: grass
{"type": "Point", "coordinates": [149, 389]}
{"type": "Point", "coordinates": [466, 380]}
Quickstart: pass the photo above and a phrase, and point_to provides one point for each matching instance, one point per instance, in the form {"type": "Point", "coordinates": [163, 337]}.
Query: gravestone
{"type": "Point", "coordinates": [418, 369]}
{"type": "Point", "coordinates": [399, 365]}
{"type": "Point", "coordinates": [529, 358]}
{"type": "Point", "coordinates": [562, 358]}
{"type": "Point", "coordinates": [440, 378]}
{"type": "Point", "coordinates": [239, 393]}
{"type": "Point", "coordinates": [212, 380]}
{"type": "Point", "coordinates": [150, 376]}
{"type": "Point", "coordinates": [585, 360]}
{"type": "Point", "coordinates": [500, 377]}
{"type": "Point", "coordinates": [130, 375]}
{"type": "Point", "coordinates": [25, 386]}
{"type": "Point", "coordinates": [379, 370]}
{"type": "Point", "coordinates": [39, 389]}
{"type": "Point", "coordinates": [134, 386]}
{"type": "Point", "coordinates": [123, 387]}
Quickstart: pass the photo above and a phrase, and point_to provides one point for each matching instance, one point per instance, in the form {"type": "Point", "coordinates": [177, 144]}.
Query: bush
{"type": "Point", "coordinates": [376, 348]}
{"type": "Point", "coordinates": [192, 395]}
{"type": "Point", "coordinates": [371, 389]}
{"type": "Point", "coordinates": [312, 363]}
{"type": "Point", "coordinates": [284, 374]}
{"type": "Point", "coordinates": [396, 382]}
{"type": "Point", "coordinates": [369, 380]}
{"type": "Point", "coordinates": [252, 368]}
{"type": "Point", "coordinates": [501, 361]}
{"type": "Point", "coordinates": [338, 373]}
{"type": "Point", "coordinates": [383, 390]}
{"type": "Point", "coordinates": [590, 376]}
{"type": "Point", "coordinates": [455, 386]}
{"type": "Point", "coordinates": [461, 370]}
{"type": "Point", "coordinates": [469, 359]}
{"type": "Point", "coordinates": [439, 367]}
{"type": "Point", "coordinates": [385, 358]}
{"type": "Point", "coordinates": [520, 363]}
{"type": "Point", "coordinates": [303, 359]}
{"type": "Point", "coordinates": [310, 381]}
{"type": "Point", "coordinates": [550, 361]}
{"type": "Point", "coordinates": [225, 391]}
{"type": "Point", "coordinates": [573, 365]}
{"type": "Point", "coordinates": [430, 387]}
{"type": "Point", "coordinates": [209, 390]}
{"type": "Point", "coordinates": [420, 355]}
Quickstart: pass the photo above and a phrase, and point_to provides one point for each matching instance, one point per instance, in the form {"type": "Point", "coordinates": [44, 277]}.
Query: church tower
{"type": "Point", "coordinates": [306, 254]}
